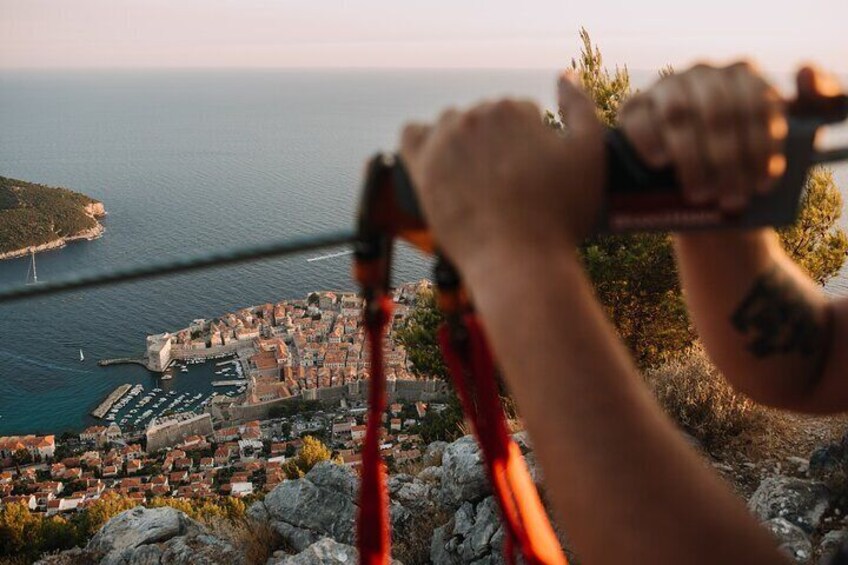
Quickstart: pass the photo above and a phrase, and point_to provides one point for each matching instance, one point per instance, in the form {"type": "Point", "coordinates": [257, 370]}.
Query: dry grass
{"type": "Point", "coordinates": [256, 541]}
{"type": "Point", "coordinates": [413, 547]}
{"type": "Point", "coordinates": [693, 392]}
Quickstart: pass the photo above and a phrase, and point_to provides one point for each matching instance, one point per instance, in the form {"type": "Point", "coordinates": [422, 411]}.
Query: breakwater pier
{"type": "Point", "coordinates": [124, 361]}
{"type": "Point", "coordinates": [235, 382]}
{"type": "Point", "coordinates": [113, 397]}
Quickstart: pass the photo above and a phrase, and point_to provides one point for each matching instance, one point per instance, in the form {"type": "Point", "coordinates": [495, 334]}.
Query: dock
{"type": "Point", "coordinates": [240, 382]}
{"type": "Point", "coordinates": [106, 405]}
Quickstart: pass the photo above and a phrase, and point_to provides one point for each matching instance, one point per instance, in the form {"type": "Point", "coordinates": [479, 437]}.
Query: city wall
{"type": "Point", "coordinates": [403, 391]}
{"type": "Point", "coordinates": [171, 433]}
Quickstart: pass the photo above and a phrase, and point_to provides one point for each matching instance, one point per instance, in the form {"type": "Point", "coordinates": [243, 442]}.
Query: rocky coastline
{"type": "Point", "coordinates": [95, 211]}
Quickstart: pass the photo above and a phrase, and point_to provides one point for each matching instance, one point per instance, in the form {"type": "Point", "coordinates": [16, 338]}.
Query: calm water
{"type": "Point", "coordinates": [188, 161]}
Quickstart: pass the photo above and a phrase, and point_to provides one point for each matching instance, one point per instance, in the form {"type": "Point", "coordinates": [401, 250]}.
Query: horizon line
{"type": "Point", "coordinates": [344, 68]}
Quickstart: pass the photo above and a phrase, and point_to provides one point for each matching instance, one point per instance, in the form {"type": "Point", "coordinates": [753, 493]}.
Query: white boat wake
{"type": "Point", "coordinates": [329, 256]}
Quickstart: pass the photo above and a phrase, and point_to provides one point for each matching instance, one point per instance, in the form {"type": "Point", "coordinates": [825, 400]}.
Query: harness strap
{"type": "Point", "coordinates": [472, 370]}
{"type": "Point", "coordinates": [373, 524]}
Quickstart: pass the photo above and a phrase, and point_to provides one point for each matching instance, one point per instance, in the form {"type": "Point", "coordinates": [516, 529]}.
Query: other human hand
{"type": "Point", "coordinates": [495, 181]}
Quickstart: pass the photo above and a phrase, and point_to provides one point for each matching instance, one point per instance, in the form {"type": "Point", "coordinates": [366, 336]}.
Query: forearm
{"type": "Point", "coordinates": [612, 461]}
{"type": "Point", "coordinates": [763, 321]}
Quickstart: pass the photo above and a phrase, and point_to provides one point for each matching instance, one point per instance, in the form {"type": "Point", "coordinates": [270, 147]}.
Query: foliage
{"type": "Point", "coordinates": [22, 457]}
{"type": "Point", "coordinates": [312, 452]}
{"type": "Point", "coordinates": [292, 407]}
{"type": "Point", "coordinates": [445, 425]}
{"type": "Point", "coordinates": [608, 90]}
{"type": "Point", "coordinates": [20, 529]}
{"type": "Point", "coordinates": [101, 511]}
{"type": "Point", "coordinates": [635, 276]}
{"type": "Point", "coordinates": [418, 336]}
{"type": "Point", "coordinates": [34, 214]}
{"type": "Point", "coordinates": [206, 510]}
{"type": "Point", "coordinates": [694, 394]}
{"type": "Point", "coordinates": [27, 535]}
{"type": "Point", "coordinates": [815, 241]}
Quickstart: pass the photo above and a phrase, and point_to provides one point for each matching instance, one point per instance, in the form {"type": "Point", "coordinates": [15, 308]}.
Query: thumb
{"type": "Point", "coordinates": [576, 108]}
{"type": "Point", "coordinates": [815, 83]}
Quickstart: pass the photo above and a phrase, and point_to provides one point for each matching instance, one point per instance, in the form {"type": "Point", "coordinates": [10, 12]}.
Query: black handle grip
{"type": "Point", "coordinates": [643, 199]}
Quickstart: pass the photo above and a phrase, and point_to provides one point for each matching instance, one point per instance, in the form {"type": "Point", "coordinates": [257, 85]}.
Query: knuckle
{"type": "Point", "coordinates": [504, 107]}
{"type": "Point", "coordinates": [447, 114]}
{"type": "Point", "coordinates": [717, 118]}
{"type": "Point", "coordinates": [674, 110]}
{"type": "Point", "coordinates": [409, 133]}
{"type": "Point", "coordinates": [470, 119]}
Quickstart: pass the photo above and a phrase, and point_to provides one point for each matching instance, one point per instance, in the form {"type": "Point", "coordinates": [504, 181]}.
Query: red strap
{"type": "Point", "coordinates": [373, 524]}
{"type": "Point", "coordinates": [525, 519]}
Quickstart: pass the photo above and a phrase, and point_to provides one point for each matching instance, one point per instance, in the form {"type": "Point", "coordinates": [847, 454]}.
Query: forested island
{"type": "Point", "coordinates": [35, 217]}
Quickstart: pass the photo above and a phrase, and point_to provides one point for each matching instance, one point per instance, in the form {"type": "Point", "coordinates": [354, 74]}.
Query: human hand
{"type": "Point", "coordinates": [495, 181]}
{"type": "Point", "coordinates": [722, 129]}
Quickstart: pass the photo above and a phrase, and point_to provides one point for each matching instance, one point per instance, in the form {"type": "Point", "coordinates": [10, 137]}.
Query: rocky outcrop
{"type": "Point", "coordinates": [144, 536]}
{"type": "Point", "coordinates": [792, 540]}
{"type": "Point", "coordinates": [322, 552]}
{"type": "Point", "coordinates": [474, 535]}
{"type": "Point", "coordinates": [445, 514]}
{"type": "Point", "coordinates": [801, 502]}
{"type": "Point", "coordinates": [321, 504]}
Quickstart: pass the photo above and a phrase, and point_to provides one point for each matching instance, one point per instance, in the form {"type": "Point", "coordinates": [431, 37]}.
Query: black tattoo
{"type": "Point", "coordinates": [779, 320]}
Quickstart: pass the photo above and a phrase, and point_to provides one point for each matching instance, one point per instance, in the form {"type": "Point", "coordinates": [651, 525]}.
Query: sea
{"type": "Point", "coordinates": [189, 161]}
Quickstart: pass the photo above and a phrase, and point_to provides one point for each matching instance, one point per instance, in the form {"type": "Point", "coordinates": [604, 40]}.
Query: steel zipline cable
{"type": "Point", "coordinates": [182, 265]}
{"type": "Point", "coordinates": [234, 256]}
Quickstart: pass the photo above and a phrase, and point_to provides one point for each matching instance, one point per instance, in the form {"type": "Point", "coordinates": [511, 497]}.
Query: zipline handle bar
{"type": "Point", "coordinates": [640, 199]}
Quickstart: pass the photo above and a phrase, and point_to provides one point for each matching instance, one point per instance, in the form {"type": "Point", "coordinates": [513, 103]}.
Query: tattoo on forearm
{"type": "Point", "coordinates": [778, 319]}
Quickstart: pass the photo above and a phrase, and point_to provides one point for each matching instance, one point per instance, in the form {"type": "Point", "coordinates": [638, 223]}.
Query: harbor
{"type": "Point", "coordinates": [113, 397]}
{"type": "Point", "coordinates": [186, 385]}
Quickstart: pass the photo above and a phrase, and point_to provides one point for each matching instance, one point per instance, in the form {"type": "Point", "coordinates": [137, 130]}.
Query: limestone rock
{"type": "Point", "coordinates": [161, 536]}
{"type": "Point", "coordinates": [799, 501]}
{"type": "Point", "coordinates": [830, 543]}
{"type": "Point", "coordinates": [321, 504]}
{"type": "Point", "coordinates": [432, 475]}
{"type": "Point", "coordinates": [793, 541]}
{"type": "Point", "coordinates": [323, 551]}
{"type": "Point", "coordinates": [412, 493]}
{"type": "Point", "coordinates": [474, 535]}
{"type": "Point", "coordinates": [433, 454]}
{"type": "Point", "coordinates": [463, 474]}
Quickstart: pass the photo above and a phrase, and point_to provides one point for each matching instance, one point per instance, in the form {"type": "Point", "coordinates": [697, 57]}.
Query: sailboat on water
{"type": "Point", "coordinates": [32, 272]}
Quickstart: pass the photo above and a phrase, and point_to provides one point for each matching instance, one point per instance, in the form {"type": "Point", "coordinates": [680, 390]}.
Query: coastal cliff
{"type": "Point", "coordinates": [36, 218]}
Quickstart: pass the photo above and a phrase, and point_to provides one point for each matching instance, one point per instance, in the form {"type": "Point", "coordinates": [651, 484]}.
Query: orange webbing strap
{"type": "Point", "coordinates": [373, 536]}
{"type": "Point", "coordinates": [473, 373]}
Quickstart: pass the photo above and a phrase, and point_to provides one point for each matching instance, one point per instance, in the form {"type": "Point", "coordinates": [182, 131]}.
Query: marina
{"type": "Point", "coordinates": [137, 406]}
{"type": "Point", "coordinates": [113, 397]}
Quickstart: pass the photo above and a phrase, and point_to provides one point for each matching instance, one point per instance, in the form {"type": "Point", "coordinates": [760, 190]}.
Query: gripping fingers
{"type": "Point", "coordinates": [680, 137]}
{"type": "Point", "coordinates": [764, 125]}
{"type": "Point", "coordinates": [412, 139]}
{"type": "Point", "coordinates": [717, 113]}
{"type": "Point", "coordinates": [639, 123]}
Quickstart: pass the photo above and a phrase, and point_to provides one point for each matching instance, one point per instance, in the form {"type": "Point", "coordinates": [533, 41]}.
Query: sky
{"type": "Point", "coordinates": [644, 34]}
